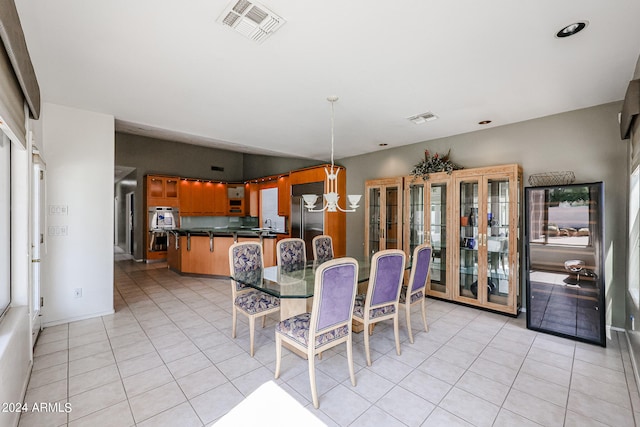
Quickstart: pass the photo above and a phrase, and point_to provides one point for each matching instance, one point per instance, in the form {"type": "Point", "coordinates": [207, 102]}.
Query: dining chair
{"type": "Point", "coordinates": [291, 254]}
{"type": "Point", "coordinates": [246, 257]}
{"type": "Point", "coordinates": [329, 323]}
{"type": "Point", "coordinates": [322, 248]}
{"type": "Point", "coordinates": [414, 292]}
{"type": "Point", "coordinates": [381, 300]}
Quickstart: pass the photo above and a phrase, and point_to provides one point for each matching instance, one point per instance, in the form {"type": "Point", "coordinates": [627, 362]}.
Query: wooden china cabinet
{"type": "Point", "coordinates": [383, 215]}
{"type": "Point", "coordinates": [471, 218]}
{"type": "Point", "coordinates": [487, 212]}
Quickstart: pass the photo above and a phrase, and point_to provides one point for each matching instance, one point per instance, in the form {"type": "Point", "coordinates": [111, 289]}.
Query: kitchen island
{"type": "Point", "coordinates": [206, 250]}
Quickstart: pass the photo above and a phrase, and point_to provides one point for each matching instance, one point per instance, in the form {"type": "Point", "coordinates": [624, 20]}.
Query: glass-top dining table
{"type": "Point", "coordinates": [294, 285]}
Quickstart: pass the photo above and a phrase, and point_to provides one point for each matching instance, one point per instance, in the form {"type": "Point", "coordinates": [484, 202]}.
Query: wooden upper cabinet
{"type": "Point", "coordinates": [219, 206]}
{"type": "Point", "coordinates": [284, 196]}
{"type": "Point", "coordinates": [252, 198]}
{"type": "Point", "coordinates": [186, 198]}
{"type": "Point", "coordinates": [202, 198]}
{"type": "Point", "coordinates": [162, 190]}
{"type": "Point", "coordinates": [208, 201]}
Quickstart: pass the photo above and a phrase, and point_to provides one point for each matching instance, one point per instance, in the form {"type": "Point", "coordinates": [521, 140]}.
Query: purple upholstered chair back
{"type": "Point", "coordinates": [244, 257]}
{"type": "Point", "coordinates": [420, 267]}
{"type": "Point", "coordinates": [291, 254]}
{"type": "Point", "coordinates": [322, 248]}
{"type": "Point", "coordinates": [334, 294]}
{"type": "Point", "coordinates": [387, 270]}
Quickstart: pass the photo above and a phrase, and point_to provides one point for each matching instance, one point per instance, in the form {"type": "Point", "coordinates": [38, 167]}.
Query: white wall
{"type": "Point", "coordinates": [80, 169]}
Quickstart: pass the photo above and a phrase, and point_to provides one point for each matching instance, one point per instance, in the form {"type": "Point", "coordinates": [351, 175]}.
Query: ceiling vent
{"type": "Point", "coordinates": [251, 19]}
{"type": "Point", "coordinates": [423, 118]}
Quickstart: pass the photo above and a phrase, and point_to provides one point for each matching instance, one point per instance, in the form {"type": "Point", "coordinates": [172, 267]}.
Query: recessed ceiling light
{"type": "Point", "coordinates": [383, 144]}
{"type": "Point", "coordinates": [572, 29]}
{"type": "Point", "coordinates": [484, 122]}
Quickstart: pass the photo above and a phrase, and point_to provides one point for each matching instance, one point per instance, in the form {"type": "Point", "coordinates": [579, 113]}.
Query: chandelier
{"type": "Point", "coordinates": [331, 197]}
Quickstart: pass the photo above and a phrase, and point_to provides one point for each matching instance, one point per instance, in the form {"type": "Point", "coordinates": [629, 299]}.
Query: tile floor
{"type": "Point", "coordinates": [166, 357]}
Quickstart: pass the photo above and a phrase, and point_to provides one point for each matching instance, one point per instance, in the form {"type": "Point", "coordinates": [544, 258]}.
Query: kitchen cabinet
{"type": "Point", "coordinates": [235, 200]}
{"type": "Point", "coordinates": [202, 198]}
{"type": "Point", "coordinates": [220, 200]}
{"type": "Point", "coordinates": [383, 215]}
{"type": "Point", "coordinates": [428, 217]}
{"type": "Point", "coordinates": [252, 198]}
{"type": "Point", "coordinates": [209, 255]}
{"type": "Point", "coordinates": [162, 190]}
{"type": "Point", "coordinates": [487, 237]}
{"type": "Point", "coordinates": [284, 196]}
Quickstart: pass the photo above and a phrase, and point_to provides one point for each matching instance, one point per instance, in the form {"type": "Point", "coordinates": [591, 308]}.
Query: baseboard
{"type": "Point", "coordinates": [76, 319]}
{"type": "Point", "coordinates": [633, 360]}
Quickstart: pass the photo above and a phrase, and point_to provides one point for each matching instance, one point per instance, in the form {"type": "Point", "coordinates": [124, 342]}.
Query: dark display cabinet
{"type": "Point", "coordinates": [564, 237]}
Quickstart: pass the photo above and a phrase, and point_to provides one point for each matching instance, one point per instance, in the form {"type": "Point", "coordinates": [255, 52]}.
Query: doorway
{"type": "Point", "coordinates": [130, 206]}
{"type": "Point", "coordinates": [38, 246]}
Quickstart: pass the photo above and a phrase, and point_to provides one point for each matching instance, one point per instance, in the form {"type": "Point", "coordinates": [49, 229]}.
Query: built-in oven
{"type": "Point", "coordinates": [161, 220]}
{"type": "Point", "coordinates": [236, 207]}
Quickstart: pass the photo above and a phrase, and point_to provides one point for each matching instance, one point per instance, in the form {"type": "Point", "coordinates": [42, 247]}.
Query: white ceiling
{"type": "Point", "coordinates": [168, 69]}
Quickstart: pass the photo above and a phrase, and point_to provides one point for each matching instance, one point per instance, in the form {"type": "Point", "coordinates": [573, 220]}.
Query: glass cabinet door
{"type": "Point", "coordinates": [374, 218]}
{"type": "Point", "coordinates": [393, 223]}
{"type": "Point", "coordinates": [497, 240]}
{"type": "Point", "coordinates": [415, 233]}
{"type": "Point", "coordinates": [383, 217]}
{"type": "Point", "coordinates": [468, 279]}
{"type": "Point", "coordinates": [437, 237]}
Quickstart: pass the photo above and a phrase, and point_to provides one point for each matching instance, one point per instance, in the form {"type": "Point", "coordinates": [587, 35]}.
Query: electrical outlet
{"type": "Point", "coordinates": [77, 293]}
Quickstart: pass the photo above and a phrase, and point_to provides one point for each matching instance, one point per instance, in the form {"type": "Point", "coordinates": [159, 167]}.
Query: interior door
{"type": "Point", "coordinates": [38, 247]}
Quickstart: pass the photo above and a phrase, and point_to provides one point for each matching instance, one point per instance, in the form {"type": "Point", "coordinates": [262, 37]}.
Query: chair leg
{"type": "Point", "coordinates": [233, 320]}
{"type": "Point", "coordinates": [312, 380]}
{"type": "Point", "coordinates": [407, 308]}
{"type": "Point", "coordinates": [366, 343]}
{"type": "Point", "coordinates": [350, 360]}
{"type": "Point", "coordinates": [396, 331]}
{"type": "Point", "coordinates": [264, 320]}
{"type": "Point", "coordinates": [252, 326]}
{"type": "Point", "coordinates": [278, 354]}
{"type": "Point", "coordinates": [424, 315]}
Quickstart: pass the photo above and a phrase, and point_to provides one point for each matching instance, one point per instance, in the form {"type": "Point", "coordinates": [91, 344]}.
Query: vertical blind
{"type": "Point", "coordinates": [18, 83]}
{"type": "Point", "coordinates": [11, 100]}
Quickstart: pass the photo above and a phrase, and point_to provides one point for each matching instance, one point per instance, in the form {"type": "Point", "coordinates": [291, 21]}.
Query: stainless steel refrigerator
{"type": "Point", "coordinates": [304, 224]}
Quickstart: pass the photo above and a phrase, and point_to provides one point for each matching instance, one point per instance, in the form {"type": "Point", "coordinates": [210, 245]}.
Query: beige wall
{"type": "Point", "coordinates": [585, 141]}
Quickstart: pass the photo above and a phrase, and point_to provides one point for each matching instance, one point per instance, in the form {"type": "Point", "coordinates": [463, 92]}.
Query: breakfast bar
{"type": "Point", "coordinates": [206, 250]}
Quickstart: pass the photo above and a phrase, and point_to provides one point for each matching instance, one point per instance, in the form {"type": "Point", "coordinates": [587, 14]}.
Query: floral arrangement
{"type": "Point", "coordinates": [434, 163]}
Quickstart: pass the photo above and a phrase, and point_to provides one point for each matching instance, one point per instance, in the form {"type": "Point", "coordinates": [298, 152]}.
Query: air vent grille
{"type": "Point", "coordinates": [423, 118]}
{"type": "Point", "coordinates": [251, 19]}
{"type": "Point", "coordinates": [256, 14]}
{"type": "Point", "coordinates": [241, 6]}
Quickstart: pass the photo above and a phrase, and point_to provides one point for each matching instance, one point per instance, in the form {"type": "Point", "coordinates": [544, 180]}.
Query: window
{"type": "Point", "coordinates": [5, 223]}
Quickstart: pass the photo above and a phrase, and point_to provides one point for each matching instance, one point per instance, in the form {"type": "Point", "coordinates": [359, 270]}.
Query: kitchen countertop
{"type": "Point", "coordinates": [227, 231]}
